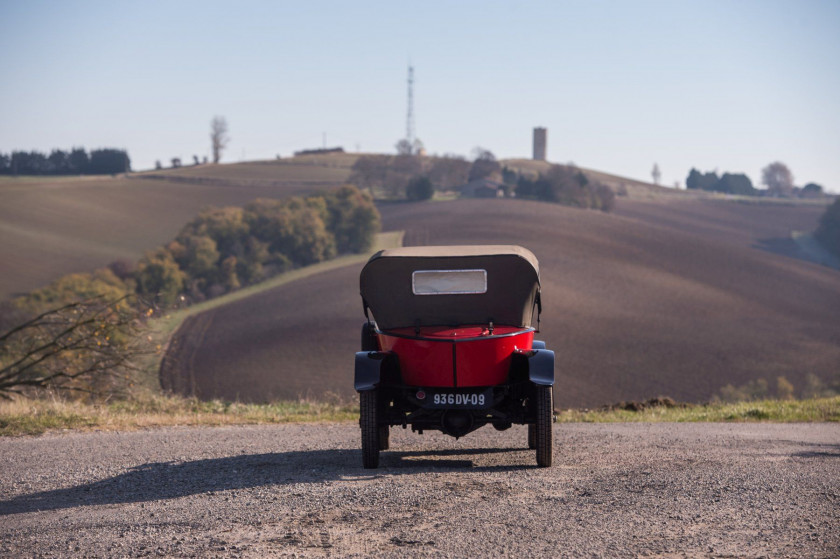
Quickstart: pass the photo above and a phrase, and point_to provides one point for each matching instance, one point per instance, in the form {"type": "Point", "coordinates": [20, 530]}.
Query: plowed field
{"type": "Point", "coordinates": [672, 298]}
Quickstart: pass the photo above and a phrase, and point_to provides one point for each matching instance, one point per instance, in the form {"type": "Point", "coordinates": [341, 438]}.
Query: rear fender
{"type": "Point", "coordinates": [540, 364]}
{"type": "Point", "coordinates": [370, 366]}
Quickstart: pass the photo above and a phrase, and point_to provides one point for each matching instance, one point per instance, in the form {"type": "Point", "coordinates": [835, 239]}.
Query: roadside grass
{"type": "Point", "coordinates": [35, 417]}
{"type": "Point", "coordinates": [780, 411]}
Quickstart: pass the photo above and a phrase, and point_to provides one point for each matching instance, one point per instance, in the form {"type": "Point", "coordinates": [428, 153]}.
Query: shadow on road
{"type": "Point", "coordinates": [171, 480]}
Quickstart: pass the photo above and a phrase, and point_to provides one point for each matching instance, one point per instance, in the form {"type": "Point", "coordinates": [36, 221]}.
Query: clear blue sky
{"type": "Point", "coordinates": [726, 85]}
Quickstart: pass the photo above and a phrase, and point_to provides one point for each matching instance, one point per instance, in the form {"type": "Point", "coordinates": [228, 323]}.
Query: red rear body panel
{"type": "Point", "coordinates": [455, 357]}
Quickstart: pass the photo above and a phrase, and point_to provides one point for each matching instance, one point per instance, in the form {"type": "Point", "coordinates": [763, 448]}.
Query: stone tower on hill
{"type": "Point", "coordinates": [540, 139]}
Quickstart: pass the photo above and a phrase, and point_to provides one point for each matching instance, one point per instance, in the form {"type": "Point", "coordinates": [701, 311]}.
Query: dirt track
{"type": "Point", "coordinates": [661, 298]}
{"type": "Point", "coordinates": [696, 490]}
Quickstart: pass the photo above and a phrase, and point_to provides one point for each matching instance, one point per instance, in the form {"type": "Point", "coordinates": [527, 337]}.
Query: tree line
{"type": "Point", "coordinates": [77, 161]}
{"type": "Point", "coordinates": [390, 175]}
{"type": "Point", "coordinates": [224, 249]}
{"type": "Point", "coordinates": [411, 176]}
{"type": "Point", "coordinates": [776, 176]}
{"type": "Point", "coordinates": [569, 186]}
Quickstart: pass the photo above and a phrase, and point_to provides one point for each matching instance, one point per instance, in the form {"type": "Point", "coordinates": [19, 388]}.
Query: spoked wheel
{"type": "Point", "coordinates": [384, 437]}
{"type": "Point", "coordinates": [370, 430]}
{"type": "Point", "coordinates": [532, 437]}
{"type": "Point", "coordinates": [543, 428]}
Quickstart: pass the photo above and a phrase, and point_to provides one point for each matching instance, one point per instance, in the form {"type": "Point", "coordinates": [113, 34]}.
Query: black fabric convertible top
{"type": "Point", "coordinates": [512, 286]}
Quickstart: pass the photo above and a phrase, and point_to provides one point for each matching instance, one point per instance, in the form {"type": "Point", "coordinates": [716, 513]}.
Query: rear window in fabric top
{"type": "Point", "coordinates": [449, 282]}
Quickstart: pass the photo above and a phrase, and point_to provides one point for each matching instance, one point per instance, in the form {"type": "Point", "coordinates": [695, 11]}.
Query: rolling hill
{"type": "Point", "coordinates": [671, 294]}
{"type": "Point", "coordinates": [56, 226]}
{"type": "Point", "coordinates": [51, 226]}
{"type": "Point", "coordinates": [672, 297]}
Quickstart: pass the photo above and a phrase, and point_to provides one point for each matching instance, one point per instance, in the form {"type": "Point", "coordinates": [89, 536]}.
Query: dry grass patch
{"type": "Point", "coordinates": [780, 411]}
{"type": "Point", "coordinates": [34, 417]}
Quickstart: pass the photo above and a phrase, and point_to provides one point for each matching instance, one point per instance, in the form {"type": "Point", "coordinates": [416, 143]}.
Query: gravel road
{"type": "Point", "coordinates": [750, 490]}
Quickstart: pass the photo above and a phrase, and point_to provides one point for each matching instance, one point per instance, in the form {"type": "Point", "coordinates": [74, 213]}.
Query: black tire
{"type": "Point", "coordinates": [532, 437]}
{"type": "Point", "coordinates": [384, 437]}
{"type": "Point", "coordinates": [545, 419]}
{"type": "Point", "coordinates": [369, 342]}
{"type": "Point", "coordinates": [368, 419]}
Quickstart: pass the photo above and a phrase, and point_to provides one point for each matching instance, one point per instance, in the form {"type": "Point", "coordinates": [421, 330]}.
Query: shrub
{"type": "Point", "coordinates": [86, 346]}
{"type": "Point", "coordinates": [757, 389]}
{"type": "Point", "coordinates": [569, 186]}
{"type": "Point", "coordinates": [420, 188]}
{"type": "Point", "coordinates": [294, 228]}
{"type": "Point", "coordinates": [74, 287]}
{"type": "Point", "coordinates": [159, 278]}
{"type": "Point", "coordinates": [353, 219]}
{"type": "Point", "coordinates": [816, 388]}
{"type": "Point", "coordinates": [784, 389]}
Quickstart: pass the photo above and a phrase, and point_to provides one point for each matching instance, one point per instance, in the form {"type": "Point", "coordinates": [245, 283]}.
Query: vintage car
{"type": "Point", "coordinates": [449, 345]}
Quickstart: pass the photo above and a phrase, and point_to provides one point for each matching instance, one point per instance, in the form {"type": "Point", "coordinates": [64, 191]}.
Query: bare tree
{"type": "Point", "coordinates": [656, 174]}
{"type": "Point", "coordinates": [85, 346]}
{"type": "Point", "coordinates": [485, 164]}
{"type": "Point", "coordinates": [778, 179]}
{"type": "Point", "coordinates": [370, 171]}
{"type": "Point", "coordinates": [404, 147]}
{"type": "Point", "coordinates": [218, 137]}
{"type": "Point", "coordinates": [449, 171]}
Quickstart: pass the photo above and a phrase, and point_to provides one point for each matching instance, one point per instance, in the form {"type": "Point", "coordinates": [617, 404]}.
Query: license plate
{"type": "Point", "coordinates": [462, 400]}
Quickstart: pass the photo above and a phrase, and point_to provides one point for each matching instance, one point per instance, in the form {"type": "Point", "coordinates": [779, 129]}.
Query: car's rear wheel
{"type": "Point", "coordinates": [543, 429]}
{"type": "Point", "coordinates": [532, 437]}
{"type": "Point", "coordinates": [368, 421]}
{"type": "Point", "coordinates": [384, 437]}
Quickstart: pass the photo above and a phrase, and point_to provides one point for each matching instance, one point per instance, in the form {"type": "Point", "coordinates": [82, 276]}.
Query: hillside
{"type": "Point", "coordinates": [56, 226]}
{"type": "Point", "coordinates": [309, 169]}
{"type": "Point", "coordinates": [676, 297]}
{"type": "Point", "coordinates": [53, 226]}
{"type": "Point", "coordinates": [671, 294]}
